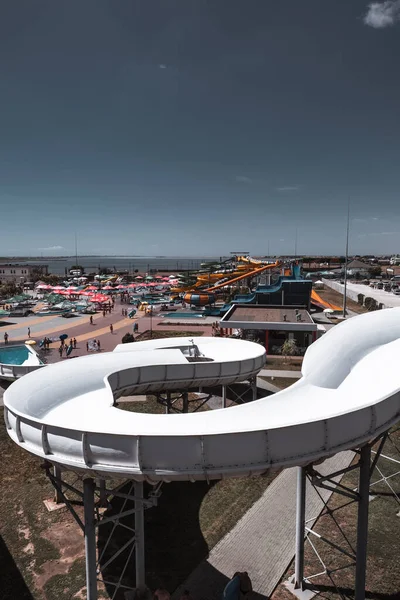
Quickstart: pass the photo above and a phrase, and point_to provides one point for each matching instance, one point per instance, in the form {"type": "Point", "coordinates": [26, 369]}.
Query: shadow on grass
{"type": "Point", "coordinates": [12, 584]}
{"type": "Point", "coordinates": [174, 544]}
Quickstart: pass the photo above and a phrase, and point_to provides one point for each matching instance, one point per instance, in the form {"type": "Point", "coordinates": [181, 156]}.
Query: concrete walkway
{"type": "Point", "coordinates": [279, 373]}
{"type": "Point", "coordinates": [263, 541]}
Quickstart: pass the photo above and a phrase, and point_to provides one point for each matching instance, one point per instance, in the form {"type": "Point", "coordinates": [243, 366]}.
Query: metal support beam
{"type": "Point", "coordinates": [224, 396]}
{"type": "Point", "coordinates": [90, 538]}
{"type": "Point", "coordinates": [139, 534]}
{"type": "Point", "coordinates": [253, 382]}
{"type": "Point", "coordinates": [185, 402]}
{"type": "Point", "coordinates": [101, 483]}
{"type": "Point", "coordinates": [300, 527]}
{"type": "Point", "coordinates": [362, 522]}
{"type": "Point", "coordinates": [58, 497]}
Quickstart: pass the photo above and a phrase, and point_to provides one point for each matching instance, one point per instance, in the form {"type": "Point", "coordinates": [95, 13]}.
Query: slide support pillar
{"type": "Point", "coordinates": [300, 527]}
{"type": "Point", "coordinates": [58, 498]}
{"type": "Point", "coordinates": [90, 538]}
{"type": "Point", "coordinates": [362, 522]}
{"type": "Point", "coordinates": [224, 396]}
{"type": "Point", "coordinates": [185, 402]}
{"type": "Point", "coordinates": [139, 534]}
{"type": "Point", "coordinates": [101, 484]}
{"type": "Point", "coordinates": [253, 383]}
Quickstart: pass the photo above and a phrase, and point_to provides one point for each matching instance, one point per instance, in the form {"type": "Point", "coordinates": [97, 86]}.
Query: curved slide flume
{"type": "Point", "coordinates": [349, 393]}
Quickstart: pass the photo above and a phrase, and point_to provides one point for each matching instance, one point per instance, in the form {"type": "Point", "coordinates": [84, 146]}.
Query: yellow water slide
{"type": "Point", "coordinates": [243, 276]}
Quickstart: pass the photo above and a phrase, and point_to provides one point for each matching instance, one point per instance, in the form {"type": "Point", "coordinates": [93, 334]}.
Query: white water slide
{"type": "Point", "coordinates": [349, 393]}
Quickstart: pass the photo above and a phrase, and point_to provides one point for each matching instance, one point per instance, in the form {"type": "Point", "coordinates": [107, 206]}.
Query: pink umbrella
{"type": "Point", "coordinates": [58, 287]}
{"type": "Point", "coordinates": [92, 287]}
{"type": "Point", "coordinates": [108, 287]}
{"type": "Point", "coordinates": [44, 286]}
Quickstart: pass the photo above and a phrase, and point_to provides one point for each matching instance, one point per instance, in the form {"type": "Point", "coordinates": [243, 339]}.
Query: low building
{"type": "Point", "coordinates": [20, 273]}
{"type": "Point", "coordinates": [273, 325]}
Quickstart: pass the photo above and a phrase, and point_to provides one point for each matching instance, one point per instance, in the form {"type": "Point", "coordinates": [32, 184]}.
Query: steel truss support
{"type": "Point", "coordinates": [361, 495]}
{"type": "Point", "coordinates": [171, 400]}
{"type": "Point", "coordinates": [179, 402]}
{"type": "Point", "coordinates": [95, 496]}
{"type": "Point", "coordinates": [239, 397]}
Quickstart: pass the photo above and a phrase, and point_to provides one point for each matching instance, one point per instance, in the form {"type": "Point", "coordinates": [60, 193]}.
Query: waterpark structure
{"type": "Point", "coordinates": [289, 288]}
{"type": "Point", "coordinates": [66, 414]}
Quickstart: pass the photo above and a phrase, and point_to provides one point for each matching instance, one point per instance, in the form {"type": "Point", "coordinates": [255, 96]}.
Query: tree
{"type": "Point", "coordinates": [375, 271]}
{"type": "Point", "coordinates": [289, 348]}
{"type": "Point", "coordinates": [128, 338]}
{"type": "Point", "coordinates": [9, 289]}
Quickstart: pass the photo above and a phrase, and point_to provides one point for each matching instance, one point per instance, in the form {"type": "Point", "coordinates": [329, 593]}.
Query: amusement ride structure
{"type": "Point", "coordinates": [66, 414]}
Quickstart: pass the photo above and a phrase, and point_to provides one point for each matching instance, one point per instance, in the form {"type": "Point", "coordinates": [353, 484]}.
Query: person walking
{"type": "Point", "coordinates": [98, 345]}
{"type": "Point", "coordinates": [87, 346]}
{"type": "Point", "coordinates": [74, 342]}
{"type": "Point", "coordinates": [91, 319]}
{"type": "Point", "coordinates": [29, 332]}
{"type": "Point", "coordinates": [6, 338]}
{"type": "Point", "coordinates": [60, 350]}
{"type": "Point", "coordinates": [111, 328]}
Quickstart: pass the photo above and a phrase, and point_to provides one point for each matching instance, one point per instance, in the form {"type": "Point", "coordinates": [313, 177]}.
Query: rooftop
{"type": "Point", "coordinates": [268, 314]}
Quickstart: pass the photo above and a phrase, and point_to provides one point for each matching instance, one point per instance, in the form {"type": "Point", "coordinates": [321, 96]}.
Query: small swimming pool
{"type": "Point", "coordinates": [184, 315]}
{"type": "Point", "coordinates": [16, 355]}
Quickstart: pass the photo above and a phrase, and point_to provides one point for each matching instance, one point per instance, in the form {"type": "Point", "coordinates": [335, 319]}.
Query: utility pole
{"type": "Point", "coordinates": [346, 259]}
{"type": "Point", "coordinates": [295, 244]}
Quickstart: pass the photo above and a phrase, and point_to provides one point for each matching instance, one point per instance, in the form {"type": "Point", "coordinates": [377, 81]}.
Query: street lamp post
{"type": "Point", "coordinates": [346, 260]}
{"type": "Point", "coordinates": [151, 322]}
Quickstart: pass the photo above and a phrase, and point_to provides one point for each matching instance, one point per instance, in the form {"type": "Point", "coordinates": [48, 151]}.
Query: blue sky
{"type": "Point", "coordinates": [192, 128]}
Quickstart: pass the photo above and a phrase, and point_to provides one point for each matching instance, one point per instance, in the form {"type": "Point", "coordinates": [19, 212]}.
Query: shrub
{"type": "Point", "coordinates": [360, 299]}
{"type": "Point", "coordinates": [289, 348]}
{"type": "Point", "coordinates": [370, 304]}
{"type": "Point", "coordinates": [128, 338]}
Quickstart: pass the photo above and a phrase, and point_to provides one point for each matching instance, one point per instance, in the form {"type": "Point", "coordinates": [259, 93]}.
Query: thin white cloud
{"type": "Point", "coordinates": [383, 14]}
{"type": "Point", "coordinates": [162, 66]}
{"type": "Point", "coordinates": [385, 233]}
{"type": "Point", "coordinates": [375, 218]}
{"type": "Point", "coordinates": [359, 220]}
{"type": "Point", "coordinates": [282, 240]}
{"type": "Point", "coordinates": [288, 188]}
{"type": "Point", "coordinates": [243, 179]}
{"type": "Point", "coordinates": [52, 248]}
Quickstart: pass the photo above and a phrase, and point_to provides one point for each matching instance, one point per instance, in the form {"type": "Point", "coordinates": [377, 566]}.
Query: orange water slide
{"type": "Point", "coordinates": [316, 299]}
{"type": "Point", "coordinates": [244, 276]}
